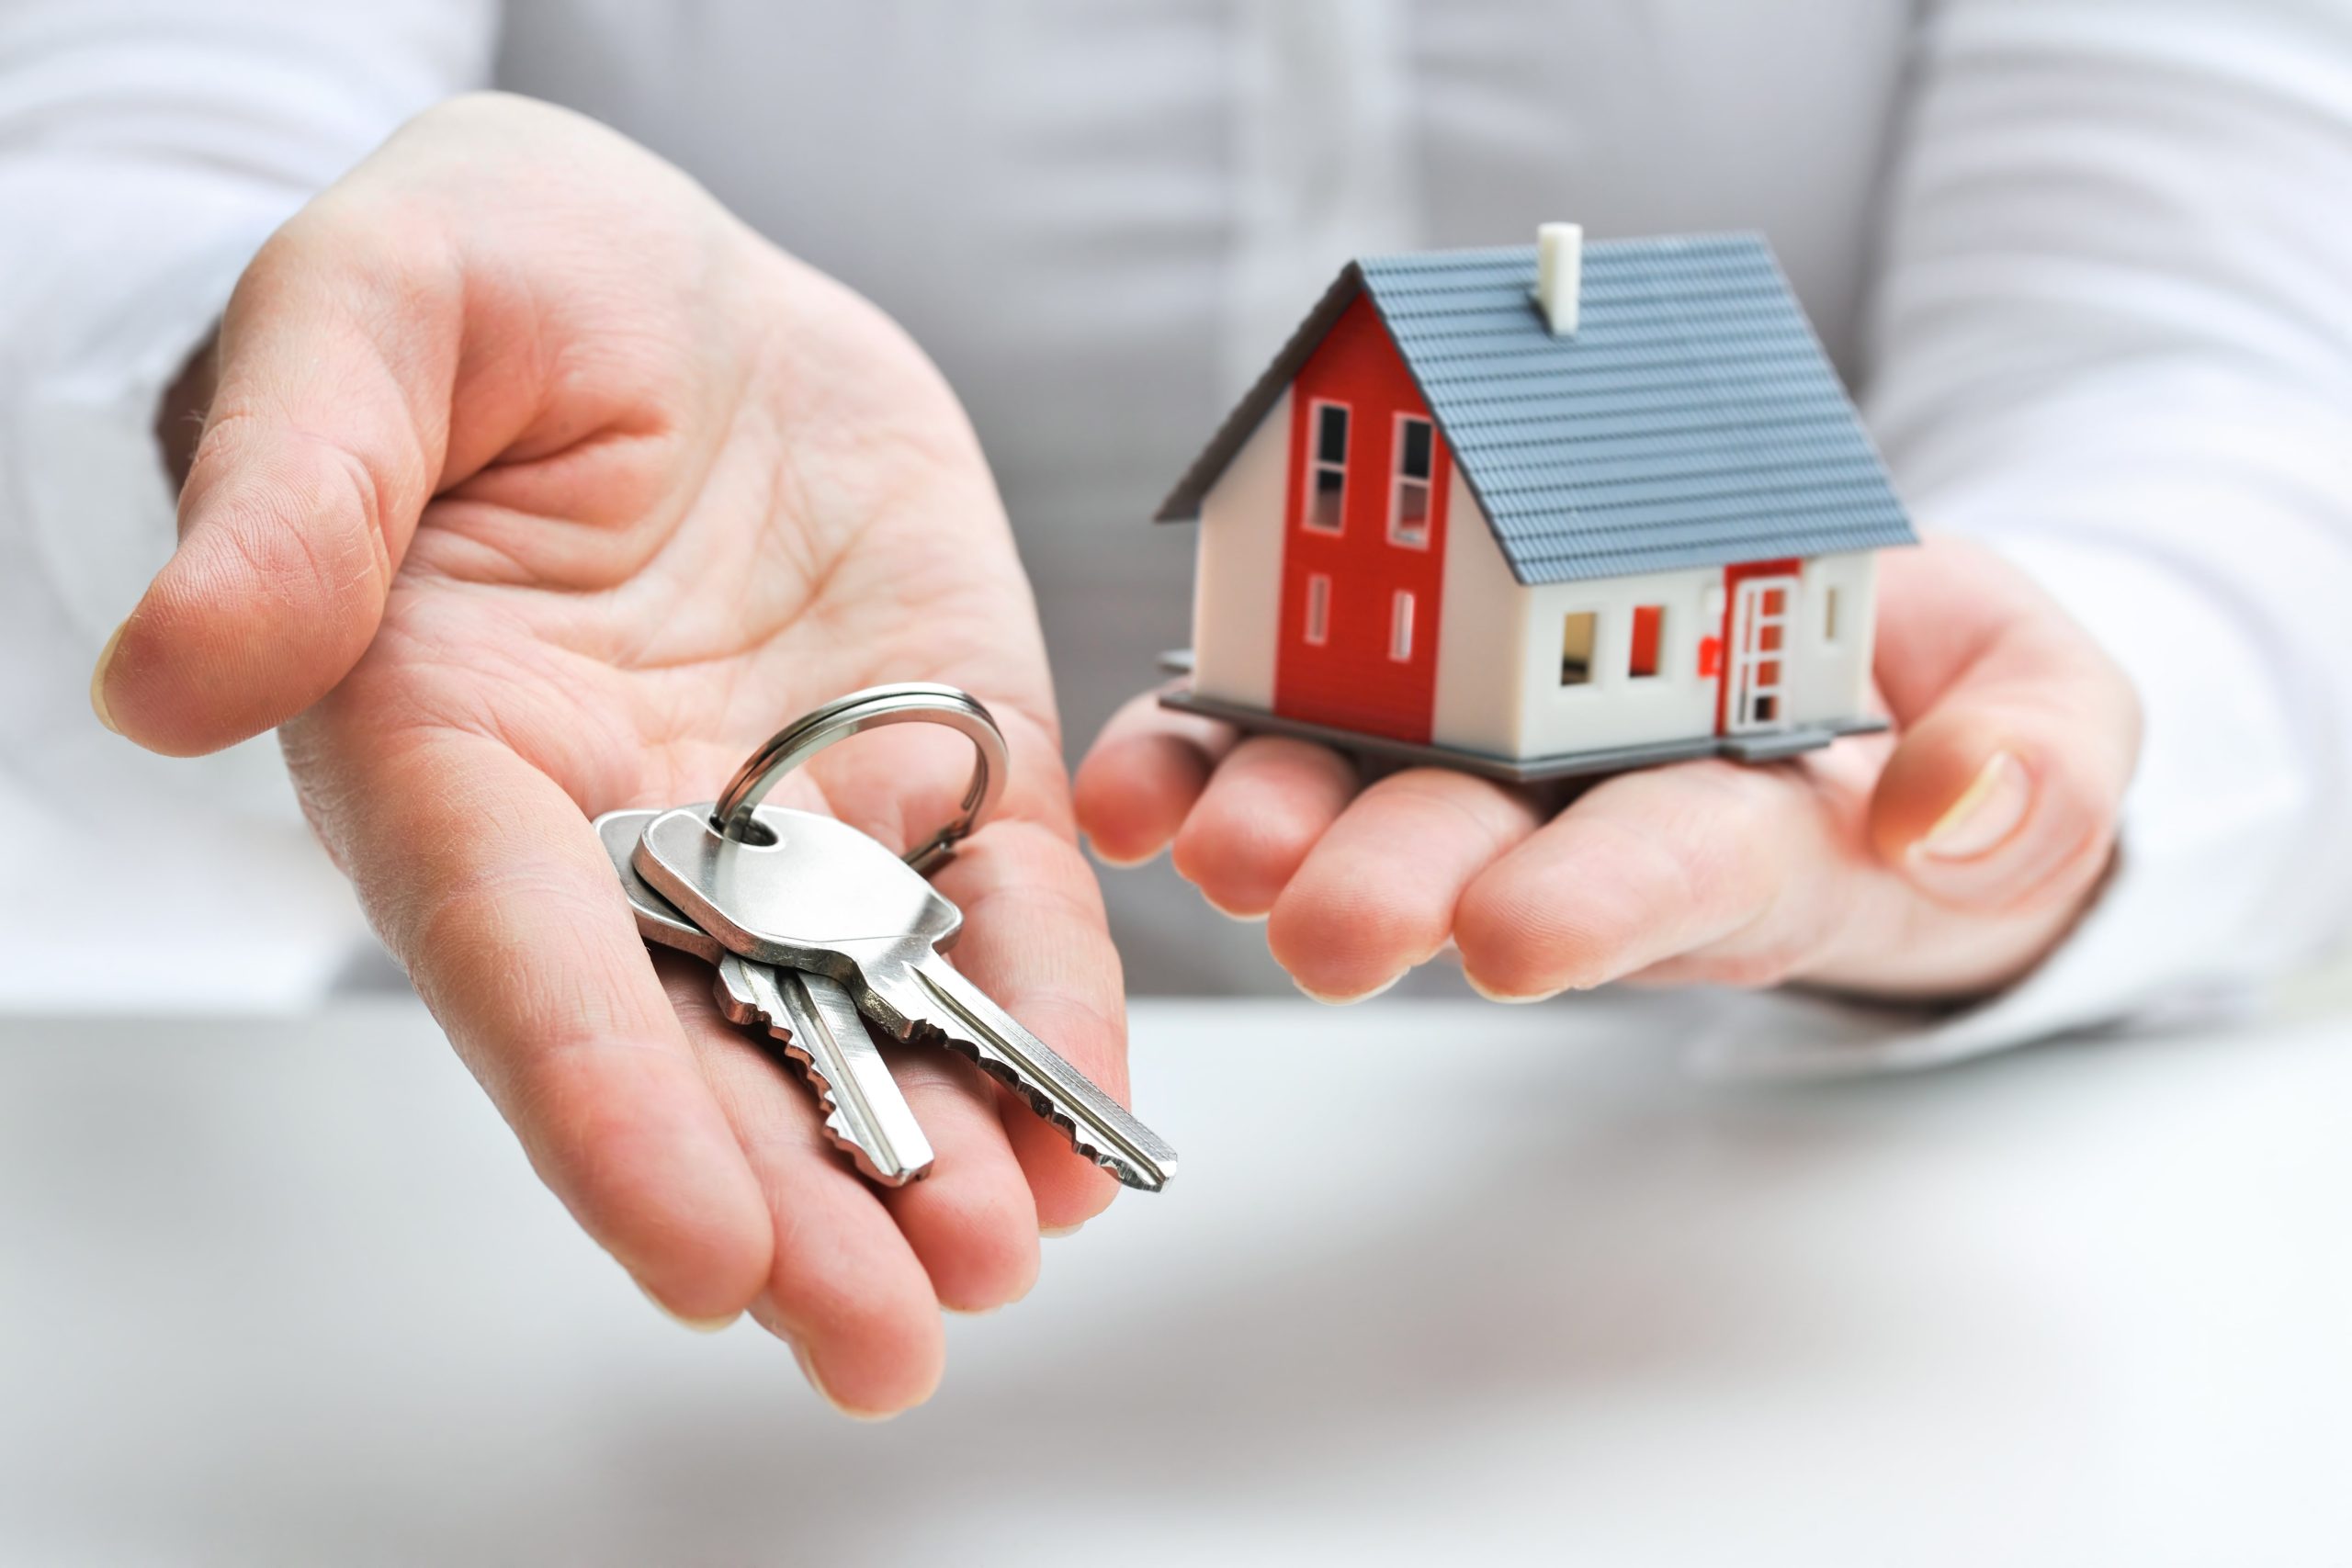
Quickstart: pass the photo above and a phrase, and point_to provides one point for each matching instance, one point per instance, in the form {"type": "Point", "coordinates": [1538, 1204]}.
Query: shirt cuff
{"type": "Point", "coordinates": [99, 505]}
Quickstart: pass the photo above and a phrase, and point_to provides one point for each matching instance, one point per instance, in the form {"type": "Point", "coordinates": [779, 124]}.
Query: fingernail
{"type": "Point", "coordinates": [808, 1370]}
{"type": "Point", "coordinates": [1512, 998]}
{"type": "Point", "coordinates": [1334, 999]}
{"type": "Point", "coordinates": [699, 1325]}
{"type": "Point", "coordinates": [1119, 862]}
{"type": "Point", "coordinates": [1055, 1232]}
{"type": "Point", "coordinates": [1984, 817]}
{"type": "Point", "coordinates": [98, 678]}
{"type": "Point", "coordinates": [1257, 919]}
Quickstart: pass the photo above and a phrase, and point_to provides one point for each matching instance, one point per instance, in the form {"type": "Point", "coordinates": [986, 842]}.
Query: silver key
{"type": "Point", "coordinates": [825, 898]}
{"type": "Point", "coordinates": [658, 921]}
{"type": "Point", "coordinates": [809, 1015]}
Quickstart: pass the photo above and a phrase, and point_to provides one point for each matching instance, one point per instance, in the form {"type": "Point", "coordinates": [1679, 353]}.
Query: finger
{"type": "Point", "coordinates": [1033, 935]}
{"type": "Point", "coordinates": [1034, 939]}
{"type": "Point", "coordinates": [1270, 799]}
{"type": "Point", "coordinates": [2019, 735]}
{"type": "Point", "coordinates": [486, 881]}
{"type": "Point", "coordinates": [1143, 776]}
{"type": "Point", "coordinates": [1377, 892]}
{"type": "Point", "coordinates": [324, 440]}
{"type": "Point", "coordinates": [844, 1288]}
{"type": "Point", "coordinates": [972, 1222]}
{"type": "Point", "coordinates": [1649, 865]}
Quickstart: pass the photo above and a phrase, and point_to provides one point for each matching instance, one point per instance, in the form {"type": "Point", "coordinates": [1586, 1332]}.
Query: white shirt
{"type": "Point", "coordinates": [2088, 263]}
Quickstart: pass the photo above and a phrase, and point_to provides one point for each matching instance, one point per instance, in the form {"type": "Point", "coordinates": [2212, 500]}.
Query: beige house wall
{"type": "Point", "coordinates": [1481, 630]}
{"type": "Point", "coordinates": [1237, 570]}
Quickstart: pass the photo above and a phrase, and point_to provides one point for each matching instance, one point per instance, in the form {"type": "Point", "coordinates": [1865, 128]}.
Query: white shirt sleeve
{"type": "Point", "coordinates": [2113, 336]}
{"type": "Point", "coordinates": [146, 150]}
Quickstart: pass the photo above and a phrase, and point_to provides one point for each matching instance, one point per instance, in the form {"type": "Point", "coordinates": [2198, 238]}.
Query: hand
{"type": "Point", "coordinates": [535, 485]}
{"type": "Point", "coordinates": [1940, 861]}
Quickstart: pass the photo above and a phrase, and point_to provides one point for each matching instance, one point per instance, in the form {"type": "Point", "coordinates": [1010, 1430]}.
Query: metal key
{"type": "Point", "coordinates": [809, 1015]}
{"type": "Point", "coordinates": [825, 898]}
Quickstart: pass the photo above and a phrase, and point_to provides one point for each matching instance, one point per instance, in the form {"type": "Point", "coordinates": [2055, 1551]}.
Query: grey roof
{"type": "Point", "coordinates": [1692, 419]}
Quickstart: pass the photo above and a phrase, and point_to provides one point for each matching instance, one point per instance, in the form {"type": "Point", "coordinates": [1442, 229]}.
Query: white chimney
{"type": "Point", "coordinates": [1559, 274]}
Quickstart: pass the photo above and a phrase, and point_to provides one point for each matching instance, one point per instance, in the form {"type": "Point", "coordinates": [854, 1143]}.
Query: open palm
{"type": "Point", "coordinates": [535, 486]}
{"type": "Point", "coordinates": [1940, 861]}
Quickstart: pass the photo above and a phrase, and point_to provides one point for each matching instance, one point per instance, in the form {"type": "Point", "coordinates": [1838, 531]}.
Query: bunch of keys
{"type": "Point", "coordinates": [816, 929]}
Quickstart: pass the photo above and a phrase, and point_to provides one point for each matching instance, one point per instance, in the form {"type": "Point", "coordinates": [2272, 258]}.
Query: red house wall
{"type": "Point", "coordinates": [1350, 680]}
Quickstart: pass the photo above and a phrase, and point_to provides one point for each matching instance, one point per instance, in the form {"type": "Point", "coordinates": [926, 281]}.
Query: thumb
{"type": "Point", "coordinates": [324, 440]}
{"type": "Point", "coordinates": [2019, 737]}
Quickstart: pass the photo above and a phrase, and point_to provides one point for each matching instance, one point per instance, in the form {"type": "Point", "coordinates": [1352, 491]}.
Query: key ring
{"type": "Point", "coordinates": [908, 701]}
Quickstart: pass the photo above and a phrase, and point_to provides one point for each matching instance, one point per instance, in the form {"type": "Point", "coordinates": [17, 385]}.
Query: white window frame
{"type": "Point", "coordinates": [1317, 465]}
{"type": "Point", "coordinates": [1401, 627]}
{"type": "Point", "coordinates": [1747, 655]}
{"type": "Point", "coordinates": [1319, 608]}
{"type": "Point", "coordinates": [1398, 479]}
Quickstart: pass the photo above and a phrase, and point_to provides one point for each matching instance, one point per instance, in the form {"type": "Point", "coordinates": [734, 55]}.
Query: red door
{"type": "Point", "coordinates": [1759, 598]}
{"type": "Point", "coordinates": [1364, 551]}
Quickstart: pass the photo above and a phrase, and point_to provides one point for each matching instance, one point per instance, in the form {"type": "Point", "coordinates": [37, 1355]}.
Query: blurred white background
{"type": "Point", "coordinates": [286, 1293]}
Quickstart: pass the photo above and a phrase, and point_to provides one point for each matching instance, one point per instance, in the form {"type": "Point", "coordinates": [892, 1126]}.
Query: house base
{"type": "Point", "coordinates": [1762, 746]}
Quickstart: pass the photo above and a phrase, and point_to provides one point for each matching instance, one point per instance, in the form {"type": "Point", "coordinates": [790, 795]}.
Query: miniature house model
{"type": "Point", "coordinates": [1544, 510]}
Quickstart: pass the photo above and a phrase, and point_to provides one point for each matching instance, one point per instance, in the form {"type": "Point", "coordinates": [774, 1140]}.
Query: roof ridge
{"type": "Point", "coordinates": [1618, 245]}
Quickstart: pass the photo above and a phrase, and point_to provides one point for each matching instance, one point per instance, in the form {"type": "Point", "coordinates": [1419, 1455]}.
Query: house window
{"type": "Point", "coordinates": [1400, 628]}
{"type": "Point", "coordinates": [1575, 649]}
{"type": "Point", "coordinates": [1829, 615]}
{"type": "Point", "coordinates": [1408, 499]}
{"type": "Point", "coordinates": [1318, 609]}
{"type": "Point", "coordinates": [1649, 626]}
{"type": "Point", "coordinates": [1327, 471]}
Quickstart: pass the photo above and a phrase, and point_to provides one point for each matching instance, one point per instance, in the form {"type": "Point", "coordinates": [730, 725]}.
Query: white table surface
{"type": "Point", "coordinates": [286, 1293]}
